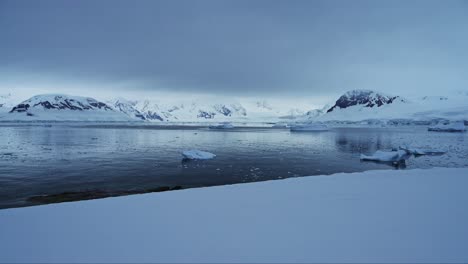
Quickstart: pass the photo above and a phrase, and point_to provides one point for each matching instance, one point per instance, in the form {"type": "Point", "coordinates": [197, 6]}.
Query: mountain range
{"type": "Point", "coordinates": [355, 105]}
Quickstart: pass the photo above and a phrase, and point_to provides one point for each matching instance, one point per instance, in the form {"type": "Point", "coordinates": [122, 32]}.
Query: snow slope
{"type": "Point", "coordinates": [364, 98]}
{"type": "Point", "coordinates": [375, 216]}
{"type": "Point", "coordinates": [6, 102]}
{"type": "Point", "coordinates": [214, 110]}
{"type": "Point", "coordinates": [127, 107]}
{"type": "Point", "coordinates": [57, 107]}
{"type": "Point", "coordinates": [190, 111]}
{"type": "Point", "coordinates": [354, 106]}
{"type": "Point", "coordinates": [361, 105]}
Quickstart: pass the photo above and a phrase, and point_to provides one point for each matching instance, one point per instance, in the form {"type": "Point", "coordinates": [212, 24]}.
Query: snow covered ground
{"type": "Point", "coordinates": [375, 216]}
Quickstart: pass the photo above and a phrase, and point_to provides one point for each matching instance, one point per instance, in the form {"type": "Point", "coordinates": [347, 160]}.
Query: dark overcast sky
{"type": "Point", "coordinates": [300, 48]}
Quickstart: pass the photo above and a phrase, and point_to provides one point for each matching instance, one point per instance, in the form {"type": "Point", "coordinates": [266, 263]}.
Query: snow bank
{"type": "Point", "coordinates": [452, 127]}
{"type": "Point", "coordinates": [197, 155]}
{"type": "Point", "coordinates": [386, 156]}
{"type": "Point", "coordinates": [309, 127]}
{"type": "Point", "coordinates": [375, 216]}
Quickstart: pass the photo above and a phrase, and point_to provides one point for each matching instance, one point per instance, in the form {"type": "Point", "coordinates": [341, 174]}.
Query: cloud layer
{"type": "Point", "coordinates": [294, 48]}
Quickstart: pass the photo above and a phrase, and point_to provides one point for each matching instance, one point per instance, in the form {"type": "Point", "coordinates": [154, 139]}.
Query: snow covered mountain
{"type": "Point", "coordinates": [364, 98]}
{"type": "Point", "coordinates": [190, 111]}
{"type": "Point", "coordinates": [127, 107]}
{"type": "Point", "coordinates": [204, 110]}
{"type": "Point", "coordinates": [57, 107]}
{"type": "Point", "coordinates": [358, 105]}
{"type": "Point", "coordinates": [6, 103]}
{"type": "Point", "coordinates": [353, 106]}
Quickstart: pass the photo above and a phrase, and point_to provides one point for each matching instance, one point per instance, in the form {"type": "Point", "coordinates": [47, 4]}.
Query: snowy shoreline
{"type": "Point", "coordinates": [374, 216]}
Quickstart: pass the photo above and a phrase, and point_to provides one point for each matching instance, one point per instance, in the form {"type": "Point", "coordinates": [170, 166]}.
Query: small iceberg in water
{"type": "Point", "coordinates": [451, 127]}
{"type": "Point", "coordinates": [386, 156]}
{"type": "Point", "coordinates": [280, 125]}
{"type": "Point", "coordinates": [420, 152]}
{"type": "Point", "coordinates": [197, 155]}
{"type": "Point", "coordinates": [309, 127]}
{"type": "Point", "coordinates": [224, 125]}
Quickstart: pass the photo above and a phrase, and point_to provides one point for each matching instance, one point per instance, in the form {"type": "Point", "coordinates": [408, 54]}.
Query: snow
{"type": "Point", "coordinates": [5, 103]}
{"type": "Point", "coordinates": [213, 109]}
{"type": "Point", "coordinates": [61, 107]}
{"type": "Point", "coordinates": [375, 216]}
{"type": "Point", "coordinates": [386, 156]}
{"type": "Point", "coordinates": [309, 127]}
{"type": "Point", "coordinates": [280, 125]}
{"type": "Point", "coordinates": [451, 127]}
{"type": "Point", "coordinates": [224, 125]}
{"type": "Point", "coordinates": [217, 109]}
{"type": "Point", "coordinates": [418, 151]}
{"type": "Point", "coordinates": [126, 107]}
{"type": "Point", "coordinates": [197, 155]}
{"type": "Point", "coordinates": [449, 107]}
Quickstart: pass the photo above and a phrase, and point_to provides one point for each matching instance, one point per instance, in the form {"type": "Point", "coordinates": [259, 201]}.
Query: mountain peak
{"type": "Point", "coordinates": [63, 107]}
{"type": "Point", "coordinates": [366, 98]}
{"type": "Point", "coordinates": [59, 102]}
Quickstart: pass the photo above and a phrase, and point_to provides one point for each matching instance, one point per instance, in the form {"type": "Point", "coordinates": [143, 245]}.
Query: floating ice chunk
{"type": "Point", "coordinates": [452, 127]}
{"type": "Point", "coordinates": [419, 152]}
{"type": "Point", "coordinates": [280, 125]}
{"type": "Point", "coordinates": [224, 125]}
{"type": "Point", "coordinates": [309, 127]}
{"type": "Point", "coordinates": [386, 156]}
{"type": "Point", "coordinates": [197, 155]}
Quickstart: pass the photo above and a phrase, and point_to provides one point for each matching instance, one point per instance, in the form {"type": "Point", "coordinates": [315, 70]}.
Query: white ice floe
{"type": "Point", "coordinates": [309, 127]}
{"type": "Point", "coordinates": [224, 125]}
{"type": "Point", "coordinates": [418, 151]}
{"type": "Point", "coordinates": [386, 156]}
{"type": "Point", "coordinates": [452, 127]}
{"type": "Point", "coordinates": [197, 154]}
{"type": "Point", "coordinates": [280, 125]}
{"type": "Point", "coordinates": [402, 216]}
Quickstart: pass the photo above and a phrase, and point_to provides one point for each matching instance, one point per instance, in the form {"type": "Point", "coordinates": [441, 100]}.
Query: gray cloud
{"type": "Point", "coordinates": [240, 47]}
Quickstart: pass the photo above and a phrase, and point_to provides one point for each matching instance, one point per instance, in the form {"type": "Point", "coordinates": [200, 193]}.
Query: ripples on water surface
{"type": "Point", "coordinates": [108, 161]}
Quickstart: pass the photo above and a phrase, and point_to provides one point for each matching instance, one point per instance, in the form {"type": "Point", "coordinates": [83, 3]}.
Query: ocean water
{"type": "Point", "coordinates": [62, 162]}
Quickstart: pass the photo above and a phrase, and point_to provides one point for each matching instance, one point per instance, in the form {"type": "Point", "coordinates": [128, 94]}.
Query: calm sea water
{"type": "Point", "coordinates": [98, 161]}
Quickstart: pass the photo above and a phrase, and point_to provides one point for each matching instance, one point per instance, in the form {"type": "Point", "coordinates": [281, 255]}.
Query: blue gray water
{"type": "Point", "coordinates": [38, 160]}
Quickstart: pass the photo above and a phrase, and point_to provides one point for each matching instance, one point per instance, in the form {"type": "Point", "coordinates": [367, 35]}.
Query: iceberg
{"type": "Point", "coordinates": [197, 155]}
{"type": "Point", "coordinates": [420, 152]}
{"type": "Point", "coordinates": [280, 125]}
{"type": "Point", "coordinates": [386, 156]}
{"type": "Point", "coordinates": [452, 127]}
{"type": "Point", "coordinates": [224, 125]}
{"type": "Point", "coordinates": [309, 127]}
